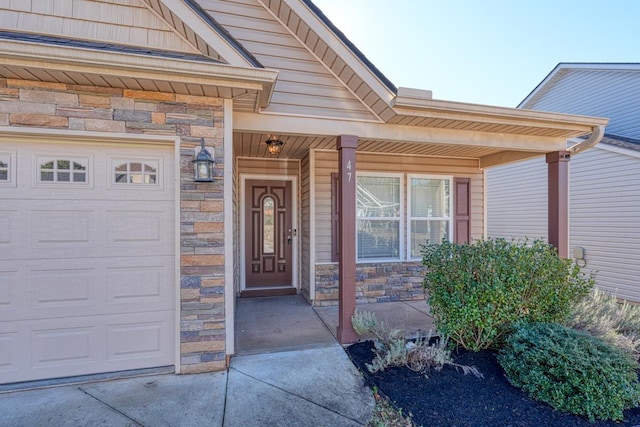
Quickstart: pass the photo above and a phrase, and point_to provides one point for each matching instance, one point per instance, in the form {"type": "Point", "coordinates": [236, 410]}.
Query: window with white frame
{"type": "Point", "coordinates": [63, 170]}
{"type": "Point", "coordinates": [5, 165]}
{"type": "Point", "coordinates": [429, 213]}
{"type": "Point", "coordinates": [379, 216]}
{"type": "Point", "coordinates": [135, 172]}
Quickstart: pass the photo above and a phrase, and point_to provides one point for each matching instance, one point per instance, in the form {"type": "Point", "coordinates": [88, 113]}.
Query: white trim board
{"type": "Point", "coordinates": [294, 223]}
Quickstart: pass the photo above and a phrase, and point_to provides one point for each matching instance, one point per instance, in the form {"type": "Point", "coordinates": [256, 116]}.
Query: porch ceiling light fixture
{"type": "Point", "coordinates": [203, 165]}
{"type": "Point", "coordinates": [274, 145]}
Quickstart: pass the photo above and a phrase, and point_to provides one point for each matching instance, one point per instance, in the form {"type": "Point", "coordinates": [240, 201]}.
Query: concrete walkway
{"type": "Point", "coordinates": [290, 372]}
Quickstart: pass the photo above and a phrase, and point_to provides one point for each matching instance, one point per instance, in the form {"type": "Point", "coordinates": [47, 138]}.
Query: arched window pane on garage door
{"type": "Point", "coordinates": [62, 170]}
{"type": "Point", "coordinates": [135, 172]}
{"type": "Point", "coordinates": [4, 168]}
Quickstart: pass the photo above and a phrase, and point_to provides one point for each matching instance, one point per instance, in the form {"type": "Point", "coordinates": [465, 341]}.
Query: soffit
{"type": "Point", "coordinates": [482, 118]}
{"type": "Point", "coordinates": [104, 68]}
{"type": "Point", "coordinates": [247, 144]}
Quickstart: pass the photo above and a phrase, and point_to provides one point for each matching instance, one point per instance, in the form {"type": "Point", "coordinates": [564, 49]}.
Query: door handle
{"type": "Point", "coordinates": [288, 240]}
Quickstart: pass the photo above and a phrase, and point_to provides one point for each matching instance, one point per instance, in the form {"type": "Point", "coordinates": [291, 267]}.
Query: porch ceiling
{"type": "Point", "coordinates": [297, 146]}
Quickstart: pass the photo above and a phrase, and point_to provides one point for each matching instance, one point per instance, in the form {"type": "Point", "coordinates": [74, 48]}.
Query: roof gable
{"type": "Point", "coordinates": [126, 22]}
{"type": "Point", "coordinates": [173, 26]}
{"type": "Point", "coordinates": [308, 83]}
{"type": "Point", "coordinates": [605, 90]}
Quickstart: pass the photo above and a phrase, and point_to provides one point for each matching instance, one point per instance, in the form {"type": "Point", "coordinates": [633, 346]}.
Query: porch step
{"type": "Point", "coordinates": [275, 292]}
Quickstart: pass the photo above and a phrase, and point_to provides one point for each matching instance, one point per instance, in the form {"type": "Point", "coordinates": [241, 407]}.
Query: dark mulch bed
{"type": "Point", "coordinates": [450, 398]}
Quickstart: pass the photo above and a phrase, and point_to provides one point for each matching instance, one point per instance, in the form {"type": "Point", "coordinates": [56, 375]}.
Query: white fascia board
{"type": "Point", "coordinates": [118, 64]}
{"type": "Point", "coordinates": [334, 43]}
{"type": "Point", "coordinates": [432, 108]}
{"type": "Point", "coordinates": [208, 34]}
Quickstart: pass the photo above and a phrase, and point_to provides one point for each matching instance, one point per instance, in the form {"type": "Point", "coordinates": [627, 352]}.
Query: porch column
{"type": "Point", "coordinates": [558, 174]}
{"type": "Point", "coordinates": [347, 145]}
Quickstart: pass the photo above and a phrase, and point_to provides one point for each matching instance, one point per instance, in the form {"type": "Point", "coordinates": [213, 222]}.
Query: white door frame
{"type": "Point", "coordinates": [294, 224]}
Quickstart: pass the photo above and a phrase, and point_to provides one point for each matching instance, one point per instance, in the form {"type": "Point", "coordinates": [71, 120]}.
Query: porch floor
{"type": "Point", "coordinates": [272, 324]}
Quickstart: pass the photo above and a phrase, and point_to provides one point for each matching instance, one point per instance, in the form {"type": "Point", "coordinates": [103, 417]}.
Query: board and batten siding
{"type": "Point", "coordinates": [517, 200]}
{"type": "Point", "coordinates": [236, 229]}
{"type": "Point", "coordinates": [304, 86]}
{"type": "Point", "coordinates": [326, 162]}
{"type": "Point", "coordinates": [305, 226]}
{"type": "Point", "coordinates": [603, 91]}
{"type": "Point", "coordinates": [126, 22]}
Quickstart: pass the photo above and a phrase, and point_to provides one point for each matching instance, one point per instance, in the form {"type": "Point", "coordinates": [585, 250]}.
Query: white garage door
{"type": "Point", "coordinates": [86, 258]}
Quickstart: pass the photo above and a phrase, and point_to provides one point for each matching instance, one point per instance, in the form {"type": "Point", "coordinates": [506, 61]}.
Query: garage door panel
{"type": "Point", "coordinates": [56, 347]}
{"type": "Point", "coordinates": [8, 226]}
{"type": "Point", "coordinates": [84, 345]}
{"type": "Point", "coordinates": [136, 340]}
{"type": "Point", "coordinates": [8, 282]}
{"type": "Point", "coordinates": [10, 352]}
{"type": "Point", "coordinates": [54, 231]}
{"type": "Point", "coordinates": [86, 287]}
{"type": "Point", "coordinates": [137, 229]}
{"type": "Point", "coordinates": [136, 284]}
{"type": "Point", "coordinates": [87, 268]}
{"type": "Point", "coordinates": [62, 229]}
{"type": "Point", "coordinates": [127, 228]}
{"type": "Point", "coordinates": [61, 287]}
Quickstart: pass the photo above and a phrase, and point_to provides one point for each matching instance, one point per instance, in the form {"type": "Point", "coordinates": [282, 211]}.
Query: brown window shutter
{"type": "Point", "coordinates": [335, 216]}
{"type": "Point", "coordinates": [462, 210]}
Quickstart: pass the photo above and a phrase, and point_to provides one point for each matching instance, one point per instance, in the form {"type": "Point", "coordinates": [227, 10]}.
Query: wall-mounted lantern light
{"type": "Point", "coordinates": [203, 165]}
{"type": "Point", "coordinates": [274, 145]}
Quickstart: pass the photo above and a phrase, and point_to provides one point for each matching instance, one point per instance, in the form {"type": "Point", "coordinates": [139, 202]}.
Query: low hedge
{"type": "Point", "coordinates": [571, 370]}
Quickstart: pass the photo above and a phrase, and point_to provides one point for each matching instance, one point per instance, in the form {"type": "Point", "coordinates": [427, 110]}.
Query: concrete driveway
{"type": "Point", "coordinates": [289, 371]}
{"type": "Point", "coordinates": [311, 387]}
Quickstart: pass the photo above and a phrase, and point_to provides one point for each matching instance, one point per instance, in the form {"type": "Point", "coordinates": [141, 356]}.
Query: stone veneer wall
{"type": "Point", "coordinates": [192, 118]}
{"type": "Point", "coordinates": [383, 282]}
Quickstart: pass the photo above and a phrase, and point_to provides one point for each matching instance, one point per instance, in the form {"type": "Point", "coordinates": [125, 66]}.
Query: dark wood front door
{"type": "Point", "coordinates": [269, 234]}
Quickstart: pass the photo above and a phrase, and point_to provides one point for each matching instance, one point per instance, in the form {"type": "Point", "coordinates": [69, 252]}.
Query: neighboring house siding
{"type": "Point", "coordinates": [517, 200]}
{"type": "Point", "coordinates": [123, 22]}
{"type": "Point", "coordinates": [304, 84]}
{"type": "Point", "coordinates": [602, 93]}
{"type": "Point", "coordinates": [604, 195]}
{"type": "Point", "coordinates": [605, 201]}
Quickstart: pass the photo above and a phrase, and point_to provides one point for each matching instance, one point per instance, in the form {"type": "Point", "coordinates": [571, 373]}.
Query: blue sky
{"type": "Point", "coordinates": [485, 51]}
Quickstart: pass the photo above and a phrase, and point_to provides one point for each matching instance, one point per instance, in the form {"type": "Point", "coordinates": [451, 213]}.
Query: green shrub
{"type": "Point", "coordinates": [571, 370]}
{"type": "Point", "coordinates": [604, 316]}
{"type": "Point", "coordinates": [392, 349]}
{"type": "Point", "coordinates": [477, 291]}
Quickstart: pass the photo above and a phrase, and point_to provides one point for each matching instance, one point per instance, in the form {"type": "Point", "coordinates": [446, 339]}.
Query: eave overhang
{"type": "Point", "coordinates": [72, 65]}
{"type": "Point", "coordinates": [474, 117]}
